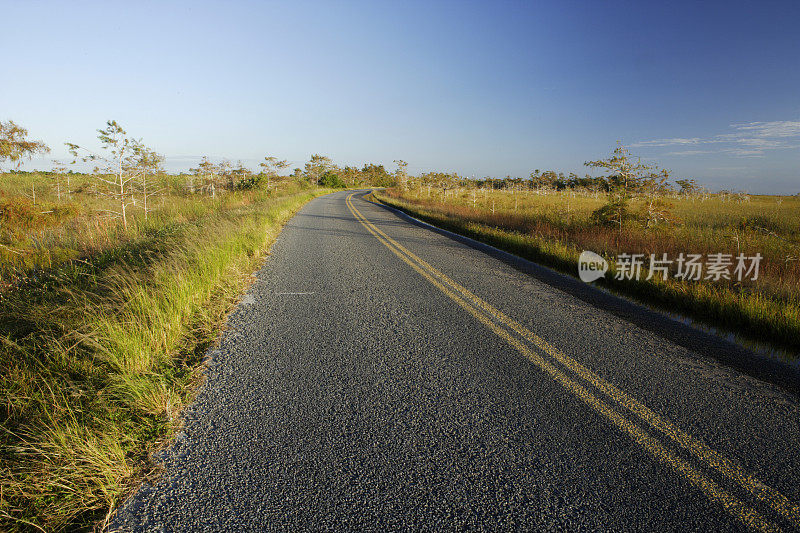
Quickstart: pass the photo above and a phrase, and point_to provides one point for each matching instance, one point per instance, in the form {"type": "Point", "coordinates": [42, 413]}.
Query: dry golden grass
{"type": "Point", "coordinates": [555, 227]}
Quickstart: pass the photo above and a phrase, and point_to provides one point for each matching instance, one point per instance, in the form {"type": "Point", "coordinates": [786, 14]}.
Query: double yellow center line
{"type": "Point", "coordinates": [607, 399]}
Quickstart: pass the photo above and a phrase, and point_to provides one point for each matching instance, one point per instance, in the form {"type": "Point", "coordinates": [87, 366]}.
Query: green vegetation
{"type": "Point", "coordinates": [552, 223]}
{"type": "Point", "coordinates": [102, 332]}
{"type": "Point", "coordinates": [114, 283]}
{"type": "Point", "coordinates": [15, 145]}
{"type": "Point", "coordinates": [112, 286]}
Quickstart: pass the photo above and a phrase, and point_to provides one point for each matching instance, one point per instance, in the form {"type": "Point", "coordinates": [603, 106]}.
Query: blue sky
{"type": "Point", "coordinates": [710, 90]}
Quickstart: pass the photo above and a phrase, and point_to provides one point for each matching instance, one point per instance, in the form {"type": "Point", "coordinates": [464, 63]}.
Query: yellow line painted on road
{"type": "Point", "coordinates": [747, 515]}
{"type": "Point", "coordinates": [712, 458]}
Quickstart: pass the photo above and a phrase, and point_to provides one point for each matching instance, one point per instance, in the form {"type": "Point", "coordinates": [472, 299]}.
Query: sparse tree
{"type": "Point", "coordinates": [316, 167]}
{"type": "Point", "coordinates": [543, 180]}
{"type": "Point", "coordinates": [271, 168]}
{"type": "Point", "coordinates": [657, 209]}
{"type": "Point", "coordinates": [149, 163]}
{"type": "Point", "coordinates": [59, 173]}
{"type": "Point", "coordinates": [625, 177]}
{"type": "Point", "coordinates": [401, 173]}
{"type": "Point", "coordinates": [207, 172]}
{"type": "Point", "coordinates": [688, 187]}
{"type": "Point", "coordinates": [224, 173]}
{"type": "Point", "coordinates": [625, 173]}
{"type": "Point", "coordinates": [15, 146]}
{"type": "Point", "coordinates": [242, 177]}
{"type": "Point", "coordinates": [120, 164]}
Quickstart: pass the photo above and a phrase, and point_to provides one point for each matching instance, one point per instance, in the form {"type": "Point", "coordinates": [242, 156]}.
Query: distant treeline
{"type": "Point", "coordinates": [553, 180]}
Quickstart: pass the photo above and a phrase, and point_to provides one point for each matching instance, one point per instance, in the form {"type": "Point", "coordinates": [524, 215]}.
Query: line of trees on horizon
{"type": "Point", "coordinates": [319, 170]}
{"type": "Point", "coordinates": [125, 170]}
{"type": "Point", "coordinates": [124, 165]}
{"type": "Point", "coordinates": [123, 156]}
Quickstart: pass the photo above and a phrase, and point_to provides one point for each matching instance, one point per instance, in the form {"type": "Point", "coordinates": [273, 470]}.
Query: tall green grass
{"type": "Point", "coordinates": [49, 231]}
{"type": "Point", "coordinates": [553, 229]}
{"type": "Point", "coordinates": [98, 355]}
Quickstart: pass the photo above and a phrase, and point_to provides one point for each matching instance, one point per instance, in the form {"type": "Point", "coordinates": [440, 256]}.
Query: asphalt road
{"type": "Point", "coordinates": [380, 375]}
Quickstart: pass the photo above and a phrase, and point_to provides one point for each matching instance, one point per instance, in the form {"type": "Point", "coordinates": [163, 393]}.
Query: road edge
{"type": "Point", "coordinates": [704, 344]}
{"type": "Point", "coordinates": [158, 456]}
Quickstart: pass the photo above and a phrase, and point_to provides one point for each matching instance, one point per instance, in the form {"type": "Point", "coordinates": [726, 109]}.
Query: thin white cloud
{"type": "Point", "coordinates": [762, 143]}
{"type": "Point", "coordinates": [669, 142]}
{"type": "Point", "coordinates": [744, 152]}
{"type": "Point", "coordinates": [780, 128]}
{"type": "Point", "coordinates": [749, 139]}
{"type": "Point", "coordinates": [692, 152]}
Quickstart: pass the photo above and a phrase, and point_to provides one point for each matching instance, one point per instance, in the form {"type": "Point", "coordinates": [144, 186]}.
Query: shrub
{"type": "Point", "coordinates": [331, 180]}
{"type": "Point", "coordinates": [659, 211]}
{"type": "Point", "coordinates": [613, 214]}
{"type": "Point", "coordinates": [252, 181]}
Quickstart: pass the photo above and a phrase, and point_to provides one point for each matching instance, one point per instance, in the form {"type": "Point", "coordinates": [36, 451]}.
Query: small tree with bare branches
{"type": "Point", "coordinates": [59, 174]}
{"type": "Point", "coordinates": [119, 165]}
{"type": "Point", "coordinates": [225, 174]}
{"type": "Point", "coordinates": [208, 174]}
{"type": "Point", "coordinates": [149, 164]}
{"type": "Point", "coordinates": [401, 173]}
{"type": "Point", "coordinates": [271, 168]}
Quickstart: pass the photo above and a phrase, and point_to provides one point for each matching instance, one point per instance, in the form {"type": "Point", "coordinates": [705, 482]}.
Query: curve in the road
{"type": "Point", "coordinates": [380, 375]}
{"type": "Point", "coordinates": [495, 319]}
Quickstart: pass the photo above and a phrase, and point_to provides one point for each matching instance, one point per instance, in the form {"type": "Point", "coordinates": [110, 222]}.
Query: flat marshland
{"type": "Point", "coordinates": [104, 322]}
{"type": "Point", "coordinates": [554, 227]}
{"type": "Point", "coordinates": [103, 328]}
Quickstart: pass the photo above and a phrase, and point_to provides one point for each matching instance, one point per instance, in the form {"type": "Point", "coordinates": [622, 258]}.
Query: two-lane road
{"type": "Point", "coordinates": [380, 375]}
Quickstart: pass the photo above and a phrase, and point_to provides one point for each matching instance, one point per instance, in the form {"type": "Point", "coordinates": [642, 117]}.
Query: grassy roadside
{"type": "Point", "coordinates": [769, 312]}
{"type": "Point", "coordinates": [98, 357]}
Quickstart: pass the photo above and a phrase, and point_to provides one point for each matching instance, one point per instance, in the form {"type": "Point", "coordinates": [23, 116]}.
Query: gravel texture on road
{"type": "Point", "coordinates": [349, 392]}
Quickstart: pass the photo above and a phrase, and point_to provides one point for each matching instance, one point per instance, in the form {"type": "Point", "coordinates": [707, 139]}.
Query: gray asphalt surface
{"type": "Point", "coordinates": [349, 392]}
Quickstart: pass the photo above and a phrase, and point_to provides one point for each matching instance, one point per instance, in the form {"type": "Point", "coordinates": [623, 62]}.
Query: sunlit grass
{"type": "Point", "coordinates": [99, 354]}
{"type": "Point", "coordinates": [553, 229]}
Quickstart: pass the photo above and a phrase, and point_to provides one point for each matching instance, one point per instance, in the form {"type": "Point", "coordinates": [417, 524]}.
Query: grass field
{"type": "Point", "coordinates": [103, 330]}
{"type": "Point", "coordinates": [554, 227]}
